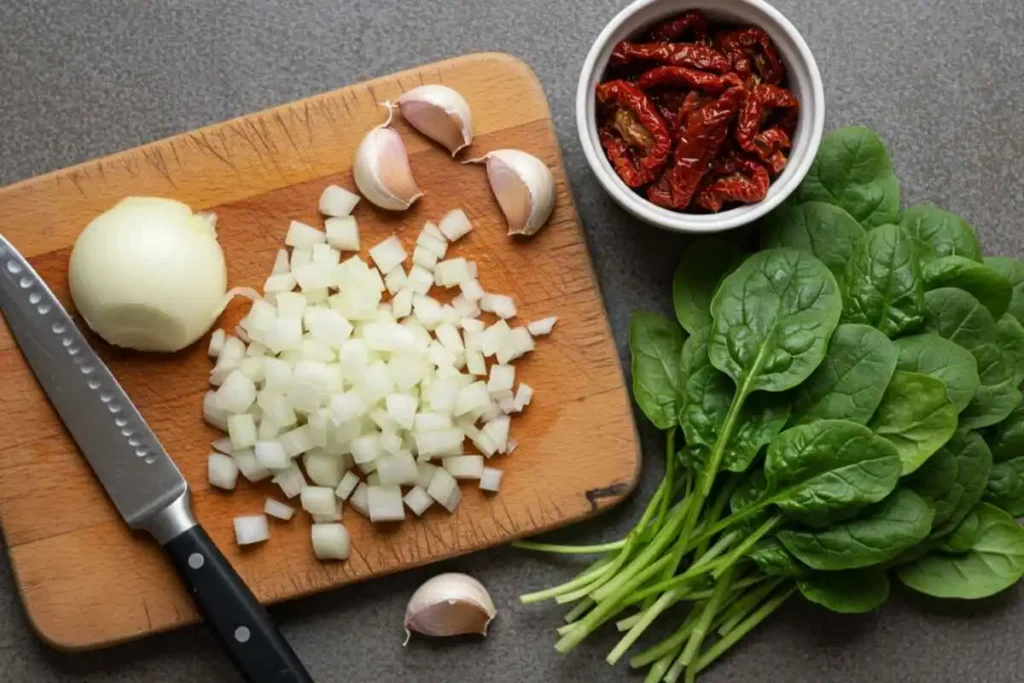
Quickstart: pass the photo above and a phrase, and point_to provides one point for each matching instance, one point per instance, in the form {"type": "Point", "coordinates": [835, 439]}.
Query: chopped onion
{"type": "Point", "coordinates": [433, 241]}
{"type": "Point", "coordinates": [543, 326]}
{"type": "Point", "coordinates": [524, 394]}
{"type": "Point", "coordinates": [271, 455]}
{"type": "Point", "coordinates": [347, 406]}
{"type": "Point", "coordinates": [385, 503]}
{"type": "Point", "coordinates": [337, 201]}
{"type": "Point", "coordinates": [445, 489]}
{"type": "Point", "coordinates": [360, 499]}
{"type": "Point", "coordinates": [497, 431]}
{"type": "Point", "coordinates": [331, 541]}
{"type": "Point", "coordinates": [500, 383]}
{"type": "Point", "coordinates": [426, 422]}
{"type": "Point", "coordinates": [281, 263]}
{"type": "Point", "coordinates": [222, 471]}
{"type": "Point", "coordinates": [471, 398]}
{"type": "Point", "coordinates": [472, 289]}
{"type": "Point", "coordinates": [424, 258]}
{"type": "Point", "coordinates": [277, 509]}
{"type": "Point", "coordinates": [388, 255]}
{"type": "Point", "coordinates": [424, 473]}
{"type": "Point", "coordinates": [237, 393]}
{"type": "Point", "coordinates": [303, 236]}
{"type": "Point", "coordinates": [454, 225]}
{"type": "Point", "coordinates": [323, 469]}
{"type": "Point", "coordinates": [222, 446]}
{"type": "Point", "coordinates": [418, 500]}
{"type": "Point", "coordinates": [216, 343]}
{"type": "Point", "coordinates": [402, 409]}
{"type": "Point", "coordinates": [464, 466]}
{"type": "Point", "coordinates": [249, 466]}
{"type": "Point", "coordinates": [490, 480]}
{"type": "Point", "coordinates": [420, 280]}
{"type": "Point", "coordinates": [395, 280]}
{"type": "Point", "coordinates": [515, 344]}
{"type": "Point", "coordinates": [439, 443]}
{"type": "Point", "coordinates": [347, 486]}
{"type": "Point", "coordinates": [475, 363]}
{"type": "Point", "coordinates": [251, 529]}
{"type": "Point", "coordinates": [498, 304]}
{"type": "Point", "coordinates": [290, 480]}
{"type": "Point", "coordinates": [317, 500]}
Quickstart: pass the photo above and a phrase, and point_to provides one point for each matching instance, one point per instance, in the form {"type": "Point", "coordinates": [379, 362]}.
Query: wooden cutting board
{"type": "Point", "coordinates": [86, 580]}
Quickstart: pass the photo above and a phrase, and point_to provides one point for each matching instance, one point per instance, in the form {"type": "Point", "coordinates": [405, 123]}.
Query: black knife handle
{"type": "Point", "coordinates": [241, 624]}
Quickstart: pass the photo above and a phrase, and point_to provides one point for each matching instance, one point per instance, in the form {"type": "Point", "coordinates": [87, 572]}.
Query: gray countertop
{"type": "Point", "coordinates": [940, 79]}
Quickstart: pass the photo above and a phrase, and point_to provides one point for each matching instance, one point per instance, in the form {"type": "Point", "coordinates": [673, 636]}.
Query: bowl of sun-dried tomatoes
{"type": "Point", "coordinates": [700, 116]}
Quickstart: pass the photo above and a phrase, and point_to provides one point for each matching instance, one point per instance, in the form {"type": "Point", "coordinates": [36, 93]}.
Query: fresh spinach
{"type": "Point", "coordinates": [946, 233]}
{"type": "Point", "coordinates": [852, 170]}
{"type": "Point", "coordinates": [955, 366]}
{"type": "Point", "coordinates": [1006, 439]}
{"type": "Point", "coordinates": [851, 380]}
{"type": "Point", "coordinates": [697, 276]}
{"type": "Point", "coordinates": [824, 230]}
{"type": "Point", "coordinates": [985, 284]}
{"type": "Point", "coordinates": [706, 400]}
{"type": "Point", "coordinates": [879, 533]}
{"type": "Point", "coordinates": [884, 286]}
{"type": "Point", "coordinates": [916, 416]}
{"type": "Point", "coordinates": [1005, 486]}
{"type": "Point", "coordinates": [655, 343]}
{"type": "Point", "coordinates": [854, 591]}
{"type": "Point", "coordinates": [993, 562]}
{"type": "Point", "coordinates": [1013, 270]}
{"type": "Point", "coordinates": [965, 535]}
{"type": "Point", "coordinates": [1010, 339]}
{"type": "Point", "coordinates": [953, 480]}
{"type": "Point", "coordinates": [694, 355]}
{"type": "Point", "coordinates": [772, 558]}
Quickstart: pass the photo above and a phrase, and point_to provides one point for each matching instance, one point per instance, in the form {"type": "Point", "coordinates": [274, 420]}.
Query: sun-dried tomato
{"type": "Point", "coordinates": [634, 136]}
{"type": "Point", "coordinates": [676, 76]}
{"type": "Point", "coordinates": [749, 135]}
{"type": "Point", "coordinates": [672, 29]}
{"type": "Point", "coordinates": [703, 133]}
{"type": "Point", "coordinates": [672, 54]}
{"type": "Point", "coordinates": [768, 145]}
{"type": "Point", "coordinates": [745, 181]}
{"type": "Point", "coordinates": [752, 43]}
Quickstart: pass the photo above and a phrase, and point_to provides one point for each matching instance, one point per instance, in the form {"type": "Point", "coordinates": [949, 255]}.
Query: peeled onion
{"type": "Point", "coordinates": [148, 274]}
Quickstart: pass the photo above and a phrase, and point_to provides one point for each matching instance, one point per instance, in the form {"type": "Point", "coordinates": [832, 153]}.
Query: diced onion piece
{"type": "Point", "coordinates": [497, 431]}
{"type": "Point", "coordinates": [237, 393]}
{"type": "Point", "coordinates": [290, 304]}
{"type": "Point", "coordinates": [418, 500]}
{"type": "Point", "coordinates": [515, 344]}
{"type": "Point", "coordinates": [431, 230]}
{"type": "Point", "coordinates": [303, 236]}
{"type": "Point", "coordinates": [216, 343]}
{"type": "Point", "coordinates": [373, 478]}
{"type": "Point", "coordinates": [511, 446]}
{"type": "Point", "coordinates": [385, 503]}
{"type": "Point", "coordinates": [249, 466]}
{"type": "Point", "coordinates": [326, 255]}
{"type": "Point", "coordinates": [297, 441]}
{"type": "Point", "coordinates": [387, 337]}
{"type": "Point", "coordinates": [475, 363]}
{"type": "Point", "coordinates": [281, 264]}
{"type": "Point", "coordinates": [390, 442]}
{"type": "Point", "coordinates": [365, 448]}
{"type": "Point", "coordinates": [424, 258]}
{"type": "Point", "coordinates": [543, 326]}
{"type": "Point", "coordinates": [492, 338]}
{"type": "Point", "coordinates": [383, 421]}
{"type": "Point", "coordinates": [331, 541]}
{"type": "Point", "coordinates": [213, 414]}
{"type": "Point", "coordinates": [432, 240]}
{"type": "Point", "coordinates": [395, 280]}
{"type": "Point", "coordinates": [375, 383]}
{"type": "Point", "coordinates": [313, 276]}
{"type": "Point", "coordinates": [438, 443]}
{"type": "Point", "coordinates": [388, 254]}
{"type": "Point", "coordinates": [449, 337]}
{"type": "Point", "coordinates": [323, 469]}
{"type": "Point", "coordinates": [271, 455]}
{"type": "Point", "coordinates": [454, 225]}
{"type": "Point", "coordinates": [300, 257]}
{"type": "Point", "coordinates": [223, 446]}
{"type": "Point", "coordinates": [397, 470]}
{"type": "Point", "coordinates": [483, 443]}
{"type": "Point", "coordinates": [347, 485]}
{"type": "Point", "coordinates": [420, 280]}
{"type": "Point", "coordinates": [242, 431]}
{"type": "Point", "coordinates": [317, 500]}
{"type": "Point", "coordinates": [444, 489]}
{"type": "Point", "coordinates": [471, 289]}
{"type": "Point", "coordinates": [491, 411]}
{"type": "Point", "coordinates": [428, 311]}
{"type": "Point", "coordinates": [407, 370]}
{"type": "Point", "coordinates": [337, 201]}
{"type": "Point", "coordinates": [346, 406]}
{"type": "Point", "coordinates": [464, 466]}
{"type": "Point", "coordinates": [222, 471]}
{"type": "Point", "coordinates": [471, 398]}
{"type": "Point", "coordinates": [275, 406]}
{"type": "Point", "coordinates": [501, 380]}
{"type": "Point", "coordinates": [290, 480]}
{"type": "Point", "coordinates": [498, 304]}
{"type": "Point", "coordinates": [466, 309]}
{"type": "Point", "coordinates": [252, 367]}
{"type": "Point", "coordinates": [426, 422]}
{"type": "Point", "coordinates": [343, 233]}
{"type": "Point", "coordinates": [490, 480]}
{"type": "Point", "coordinates": [360, 499]}
{"type": "Point", "coordinates": [524, 394]}
{"type": "Point", "coordinates": [278, 509]}
{"type": "Point", "coordinates": [507, 405]}
{"type": "Point", "coordinates": [251, 529]}
{"type": "Point", "coordinates": [441, 395]}
{"type": "Point", "coordinates": [401, 304]}
{"type": "Point", "coordinates": [424, 473]}
{"type": "Point", "coordinates": [279, 283]}
{"type": "Point", "coordinates": [402, 409]}
{"type": "Point", "coordinates": [451, 272]}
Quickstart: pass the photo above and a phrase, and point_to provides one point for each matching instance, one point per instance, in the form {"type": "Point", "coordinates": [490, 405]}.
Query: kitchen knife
{"type": "Point", "coordinates": [138, 475]}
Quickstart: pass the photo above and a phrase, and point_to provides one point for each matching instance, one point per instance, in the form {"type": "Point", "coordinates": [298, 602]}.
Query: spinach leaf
{"type": "Point", "coordinates": [965, 535]}
{"type": "Point", "coordinates": [953, 479]}
{"type": "Point", "coordinates": [1010, 339]}
{"type": "Point", "coordinates": [772, 558]}
{"type": "Point", "coordinates": [706, 400]}
{"type": "Point", "coordinates": [697, 276]}
{"type": "Point", "coordinates": [821, 229]}
{"type": "Point", "coordinates": [879, 533]}
{"type": "Point", "coordinates": [851, 379]}
{"type": "Point", "coordinates": [884, 287]}
{"type": "Point", "coordinates": [655, 343]}
{"type": "Point", "coordinates": [955, 366]}
{"type": "Point", "coordinates": [828, 470]}
{"type": "Point", "coordinates": [1005, 486]}
{"type": "Point", "coordinates": [1006, 439]}
{"type": "Point", "coordinates": [852, 170]}
{"type": "Point", "coordinates": [957, 316]}
{"type": "Point", "coordinates": [773, 317]}
{"type": "Point", "coordinates": [854, 591]}
{"type": "Point", "coordinates": [993, 562]}
{"type": "Point", "coordinates": [944, 232]}
{"type": "Point", "coordinates": [1013, 270]}
{"type": "Point", "coordinates": [694, 355]}
{"type": "Point", "coordinates": [983, 283]}
{"type": "Point", "coordinates": [916, 416]}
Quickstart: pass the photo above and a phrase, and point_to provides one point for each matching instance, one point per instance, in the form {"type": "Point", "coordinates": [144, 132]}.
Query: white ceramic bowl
{"type": "Point", "coordinates": [804, 81]}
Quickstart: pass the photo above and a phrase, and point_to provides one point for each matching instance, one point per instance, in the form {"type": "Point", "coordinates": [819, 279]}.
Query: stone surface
{"type": "Point", "coordinates": [936, 77]}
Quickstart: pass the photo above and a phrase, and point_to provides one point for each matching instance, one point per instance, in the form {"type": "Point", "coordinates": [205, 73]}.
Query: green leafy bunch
{"type": "Point", "coordinates": [848, 396]}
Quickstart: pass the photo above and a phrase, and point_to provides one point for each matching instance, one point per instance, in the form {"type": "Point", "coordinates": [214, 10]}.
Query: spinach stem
{"type": "Point", "coordinates": [724, 435]}
{"type": "Point", "coordinates": [742, 607]}
{"type": "Point", "coordinates": [703, 626]}
{"type": "Point", "coordinates": [739, 551]}
{"type": "Point", "coordinates": [595, 570]}
{"type": "Point", "coordinates": [669, 646]}
{"type": "Point", "coordinates": [670, 470]}
{"type": "Point", "coordinates": [570, 549]}
{"type": "Point", "coordinates": [598, 581]}
{"type": "Point", "coordinates": [577, 611]}
{"type": "Point", "coordinates": [656, 672]}
{"type": "Point", "coordinates": [742, 629]}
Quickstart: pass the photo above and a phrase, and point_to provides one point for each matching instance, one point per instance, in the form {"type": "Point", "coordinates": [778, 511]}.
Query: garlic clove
{"type": "Point", "coordinates": [524, 188]}
{"type": "Point", "coordinates": [382, 171]}
{"type": "Point", "coordinates": [440, 113]}
{"type": "Point", "coordinates": [448, 605]}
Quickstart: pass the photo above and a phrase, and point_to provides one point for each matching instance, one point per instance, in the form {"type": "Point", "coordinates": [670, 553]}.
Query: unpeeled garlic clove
{"type": "Point", "coordinates": [440, 113]}
{"type": "Point", "coordinates": [449, 605]}
{"type": "Point", "coordinates": [381, 169]}
{"type": "Point", "coordinates": [524, 188]}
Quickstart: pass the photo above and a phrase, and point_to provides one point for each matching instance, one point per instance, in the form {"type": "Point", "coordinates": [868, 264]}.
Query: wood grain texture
{"type": "Point", "coordinates": [86, 580]}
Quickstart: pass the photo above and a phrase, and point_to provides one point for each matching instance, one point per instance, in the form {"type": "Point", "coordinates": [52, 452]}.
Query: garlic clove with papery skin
{"type": "Point", "coordinates": [524, 188]}
{"type": "Point", "coordinates": [448, 605]}
{"type": "Point", "coordinates": [440, 113]}
{"type": "Point", "coordinates": [381, 169]}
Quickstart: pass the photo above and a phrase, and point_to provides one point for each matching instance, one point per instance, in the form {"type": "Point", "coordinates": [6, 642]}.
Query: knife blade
{"type": "Point", "coordinates": [141, 479]}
